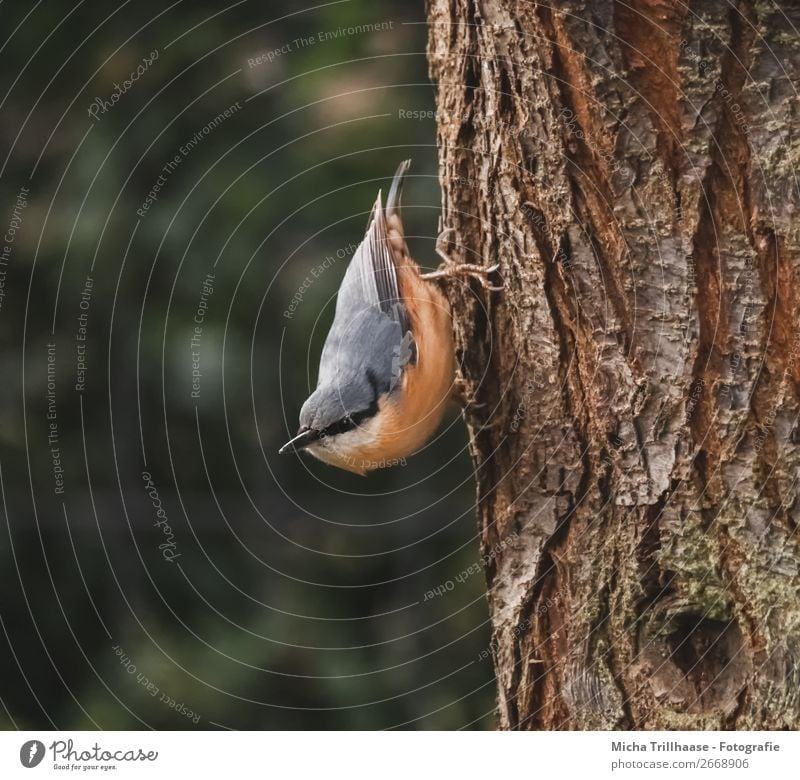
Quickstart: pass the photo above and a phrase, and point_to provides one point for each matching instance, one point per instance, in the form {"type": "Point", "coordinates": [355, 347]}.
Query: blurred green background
{"type": "Point", "coordinates": [282, 593]}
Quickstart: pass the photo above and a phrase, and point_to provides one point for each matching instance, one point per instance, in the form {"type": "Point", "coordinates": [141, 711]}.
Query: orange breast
{"type": "Point", "coordinates": [411, 415]}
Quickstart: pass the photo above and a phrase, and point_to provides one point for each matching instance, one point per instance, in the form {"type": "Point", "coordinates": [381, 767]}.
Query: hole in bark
{"type": "Point", "coordinates": [529, 150]}
{"type": "Point", "coordinates": [564, 253]}
{"type": "Point", "coordinates": [505, 104]}
{"type": "Point", "coordinates": [466, 133]}
{"type": "Point", "coordinates": [708, 662]}
{"type": "Point", "coordinates": [471, 78]}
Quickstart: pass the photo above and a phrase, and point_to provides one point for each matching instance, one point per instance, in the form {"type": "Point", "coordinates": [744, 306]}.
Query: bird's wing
{"type": "Point", "coordinates": [371, 331]}
{"type": "Point", "coordinates": [362, 357]}
{"type": "Point", "coordinates": [371, 278]}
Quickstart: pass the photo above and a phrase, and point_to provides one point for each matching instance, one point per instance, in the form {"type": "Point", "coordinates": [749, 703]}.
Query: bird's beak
{"type": "Point", "coordinates": [305, 437]}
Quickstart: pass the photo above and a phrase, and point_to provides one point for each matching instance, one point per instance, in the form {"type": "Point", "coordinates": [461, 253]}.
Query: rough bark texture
{"type": "Point", "coordinates": [632, 168]}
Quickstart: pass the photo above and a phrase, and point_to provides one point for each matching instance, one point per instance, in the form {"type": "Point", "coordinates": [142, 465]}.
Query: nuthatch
{"type": "Point", "coordinates": [388, 366]}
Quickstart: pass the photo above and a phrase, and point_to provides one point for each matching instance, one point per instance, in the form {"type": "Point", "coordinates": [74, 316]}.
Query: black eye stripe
{"type": "Point", "coordinates": [350, 421]}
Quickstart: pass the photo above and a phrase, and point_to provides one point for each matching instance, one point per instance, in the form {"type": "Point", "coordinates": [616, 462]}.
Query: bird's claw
{"type": "Point", "coordinates": [461, 394]}
{"type": "Point", "coordinates": [444, 241]}
{"type": "Point", "coordinates": [451, 269]}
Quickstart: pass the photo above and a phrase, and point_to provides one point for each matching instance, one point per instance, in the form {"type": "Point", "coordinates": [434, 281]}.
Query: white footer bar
{"type": "Point", "coordinates": [238, 755]}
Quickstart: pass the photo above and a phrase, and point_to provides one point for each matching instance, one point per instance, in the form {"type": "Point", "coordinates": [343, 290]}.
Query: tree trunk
{"type": "Point", "coordinates": [630, 166]}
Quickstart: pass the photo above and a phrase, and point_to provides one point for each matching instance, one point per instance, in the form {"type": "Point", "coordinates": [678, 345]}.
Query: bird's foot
{"type": "Point", "coordinates": [452, 269]}
{"type": "Point", "coordinates": [462, 396]}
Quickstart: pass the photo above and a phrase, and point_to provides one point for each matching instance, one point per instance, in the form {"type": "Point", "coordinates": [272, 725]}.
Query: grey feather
{"type": "Point", "coordinates": [355, 368]}
{"type": "Point", "coordinates": [396, 190]}
{"type": "Point", "coordinates": [370, 341]}
{"type": "Point", "coordinates": [371, 277]}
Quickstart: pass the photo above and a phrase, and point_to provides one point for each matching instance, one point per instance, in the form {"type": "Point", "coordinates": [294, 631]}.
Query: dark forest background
{"type": "Point", "coordinates": [282, 594]}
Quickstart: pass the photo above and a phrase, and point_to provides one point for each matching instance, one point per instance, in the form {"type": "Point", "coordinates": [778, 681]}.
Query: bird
{"type": "Point", "coordinates": [387, 369]}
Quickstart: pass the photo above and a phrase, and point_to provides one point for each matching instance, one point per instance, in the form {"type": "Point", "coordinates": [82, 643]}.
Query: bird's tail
{"type": "Point", "coordinates": [396, 191]}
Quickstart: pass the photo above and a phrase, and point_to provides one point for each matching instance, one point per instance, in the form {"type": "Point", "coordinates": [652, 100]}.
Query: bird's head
{"type": "Point", "coordinates": [337, 422]}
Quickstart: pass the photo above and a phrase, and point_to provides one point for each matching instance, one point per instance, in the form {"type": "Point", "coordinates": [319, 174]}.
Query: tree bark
{"type": "Point", "coordinates": [631, 167]}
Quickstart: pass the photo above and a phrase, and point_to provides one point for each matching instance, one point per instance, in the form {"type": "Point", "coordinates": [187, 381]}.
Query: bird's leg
{"type": "Point", "coordinates": [450, 268]}
{"type": "Point", "coordinates": [460, 393]}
